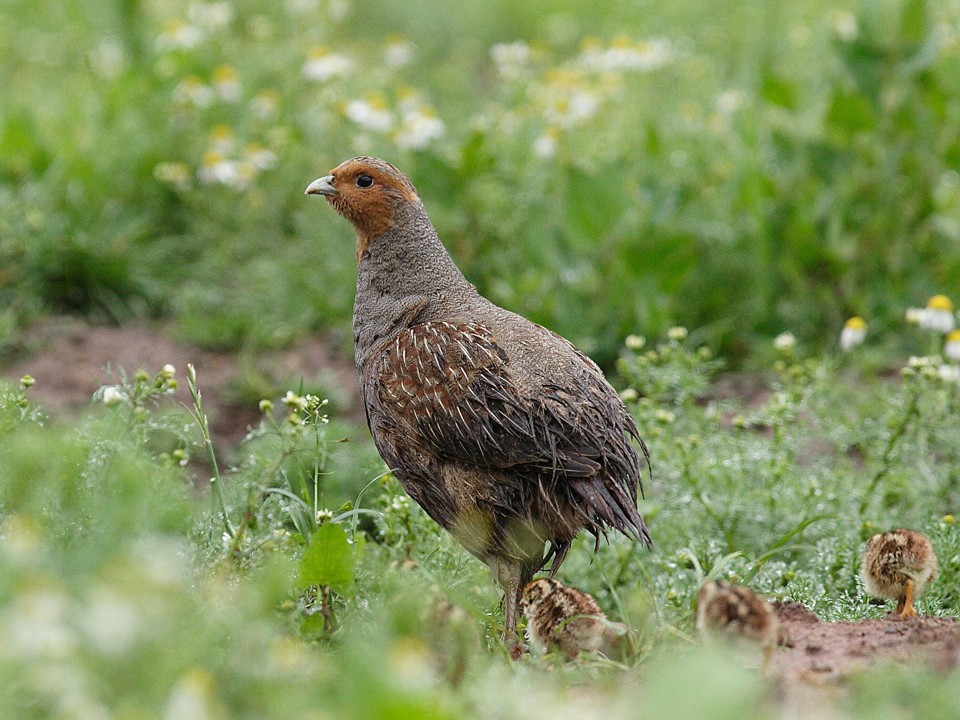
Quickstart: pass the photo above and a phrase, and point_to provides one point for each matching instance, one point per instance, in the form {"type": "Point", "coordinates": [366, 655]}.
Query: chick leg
{"type": "Point", "coordinates": [908, 610]}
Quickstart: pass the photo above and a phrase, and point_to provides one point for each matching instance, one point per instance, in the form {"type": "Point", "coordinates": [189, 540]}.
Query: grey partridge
{"type": "Point", "coordinates": [506, 434]}
{"type": "Point", "coordinates": [567, 618]}
{"type": "Point", "coordinates": [736, 610]}
{"type": "Point", "coordinates": [739, 613]}
{"type": "Point", "coordinates": [899, 565]}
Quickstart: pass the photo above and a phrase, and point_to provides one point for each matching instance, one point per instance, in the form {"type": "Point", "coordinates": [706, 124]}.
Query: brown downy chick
{"type": "Point", "coordinates": [566, 618]}
{"type": "Point", "coordinates": [504, 433]}
{"type": "Point", "coordinates": [899, 565]}
{"type": "Point", "coordinates": [739, 612]}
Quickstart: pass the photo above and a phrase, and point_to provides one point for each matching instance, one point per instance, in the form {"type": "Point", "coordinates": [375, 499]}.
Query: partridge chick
{"type": "Point", "coordinates": [899, 565]}
{"type": "Point", "coordinates": [506, 434]}
{"type": "Point", "coordinates": [739, 612]}
{"type": "Point", "coordinates": [566, 618]}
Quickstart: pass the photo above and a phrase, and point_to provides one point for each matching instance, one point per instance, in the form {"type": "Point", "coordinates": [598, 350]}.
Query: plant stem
{"type": "Point", "coordinates": [201, 417]}
{"type": "Point", "coordinates": [898, 432]}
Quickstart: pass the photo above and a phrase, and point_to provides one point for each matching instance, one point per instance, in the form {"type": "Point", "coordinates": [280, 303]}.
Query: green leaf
{"type": "Point", "coordinates": [850, 113]}
{"type": "Point", "coordinates": [313, 625]}
{"type": "Point", "coordinates": [913, 21]}
{"type": "Point", "coordinates": [328, 560]}
{"type": "Point", "coordinates": [780, 91]}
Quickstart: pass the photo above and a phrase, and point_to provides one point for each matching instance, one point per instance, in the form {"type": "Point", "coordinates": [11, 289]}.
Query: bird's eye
{"type": "Point", "coordinates": [364, 181]}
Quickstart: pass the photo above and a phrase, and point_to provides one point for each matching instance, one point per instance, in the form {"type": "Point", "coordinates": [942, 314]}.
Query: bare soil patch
{"type": "Point", "coordinates": [818, 652]}
{"type": "Point", "coordinates": [73, 358]}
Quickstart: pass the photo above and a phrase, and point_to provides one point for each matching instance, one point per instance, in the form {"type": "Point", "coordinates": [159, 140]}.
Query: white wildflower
{"type": "Point", "coordinates": [338, 9]}
{"type": "Point", "coordinates": [951, 347]}
{"type": "Point", "coordinates": [192, 698]}
{"type": "Point", "coordinates": [511, 59]}
{"type": "Point", "coordinates": [371, 114]}
{"type": "Point", "coordinates": [193, 91]}
{"type": "Point", "coordinates": [914, 316]}
{"type": "Point", "coordinates": [398, 53]}
{"type": "Point", "coordinates": [36, 624]}
{"type": "Point", "coordinates": [571, 107]}
{"type": "Point", "coordinates": [261, 157]}
{"type": "Point", "coordinates": [222, 139]}
{"type": "Point", "coordinates": [109, 58]}
{"type": "Point", "coordinates": [635, 342]}
{"type": "Point", "coordinates": [217, 168]}
{"type": "Point", "coordinates": [111, 621]}
{"type": "Point", "coordinates": [853, 334]}
{"type": "Point", "coordinates": [399, 502]}
{"type": "Point", "coordinates": [949, 373]}
{"type": "Point", "coordinates": [785, 342]}
{"type": "Point", "coordinates": [227, 84]}
{"type": "Point", "coordinates": [677, 333]}
{"type": "Point", "coordinates": [729, 101]}
{"type": "Point", "coordinates": [212, 16]}
{"type": "Point", "coordinates": [180, 35]}
{"type": "Point", "coordinates": [938, 315]}
{"type": "Point", "coordinates": [624, 54]}
{"type": "Point", "coordinates": [173, 173]}
{"type": "Point", "coordinates": [265, 105]}
{"type": "Point", "coordinates": [294, 401]}
{"type": "Point", "coordinates": [418, 129]}
{"type": "Point", "coordinates": [322, 65]}
{"type": "Point", "coordinates": [111, 396]}
{"type": "Point", "coordinates": [545, 146]}
{"type": "Point", "coordinates": [844, 25]}
{"type": "Point", "coordinates": [324, 515]}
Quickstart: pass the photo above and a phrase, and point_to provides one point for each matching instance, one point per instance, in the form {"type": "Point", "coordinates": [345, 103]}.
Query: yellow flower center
{"type": "Point", "coordinates": [940, 302]}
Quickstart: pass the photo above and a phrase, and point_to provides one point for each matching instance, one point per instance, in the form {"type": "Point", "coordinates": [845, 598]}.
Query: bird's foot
{"type": "Point", "coordinates": [908, 612]}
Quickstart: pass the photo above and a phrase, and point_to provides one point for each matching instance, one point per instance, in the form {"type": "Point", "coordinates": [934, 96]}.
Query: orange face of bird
{"type": "Point", "coordinates": [367, 192]}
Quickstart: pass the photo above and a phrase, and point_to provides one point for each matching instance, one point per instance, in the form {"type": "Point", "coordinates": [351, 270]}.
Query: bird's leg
{"type": "Point", "coordinates": [510, 581]}
{"type": "Point", "coordinates": [508, 577]}
{"type": "Point", "coordinates": [908, 610]}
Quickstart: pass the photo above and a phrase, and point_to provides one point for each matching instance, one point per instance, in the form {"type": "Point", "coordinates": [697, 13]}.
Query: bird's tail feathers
{"type": "Point", "coordinates": [613, 507]}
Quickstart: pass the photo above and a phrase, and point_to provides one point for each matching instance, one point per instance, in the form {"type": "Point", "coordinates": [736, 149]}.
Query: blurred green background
{"type": "Point", "coordinates": [740, 168]}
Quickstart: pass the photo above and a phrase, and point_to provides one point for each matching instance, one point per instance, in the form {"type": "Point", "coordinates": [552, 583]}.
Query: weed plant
{"type": "Point", "coordinates": [126, 591]}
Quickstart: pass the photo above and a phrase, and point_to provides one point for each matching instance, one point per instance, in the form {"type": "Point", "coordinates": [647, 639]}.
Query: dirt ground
{"type": "Point", "coordinates": [817, 656]}
{"type": "Point", "coordinates": [72, 358]}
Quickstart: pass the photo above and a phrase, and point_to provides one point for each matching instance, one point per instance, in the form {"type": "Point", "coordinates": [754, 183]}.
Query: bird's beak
{"type": "Point", "coordinates": [322, 186]}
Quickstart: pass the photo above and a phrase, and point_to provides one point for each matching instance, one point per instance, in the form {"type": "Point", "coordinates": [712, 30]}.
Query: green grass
{"type": "Point", "coordinates": [315, 587]}
{"type": "Point", "coordinates": [765, 169]}
{"type": "Point", "coordinates": [760, 170]}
